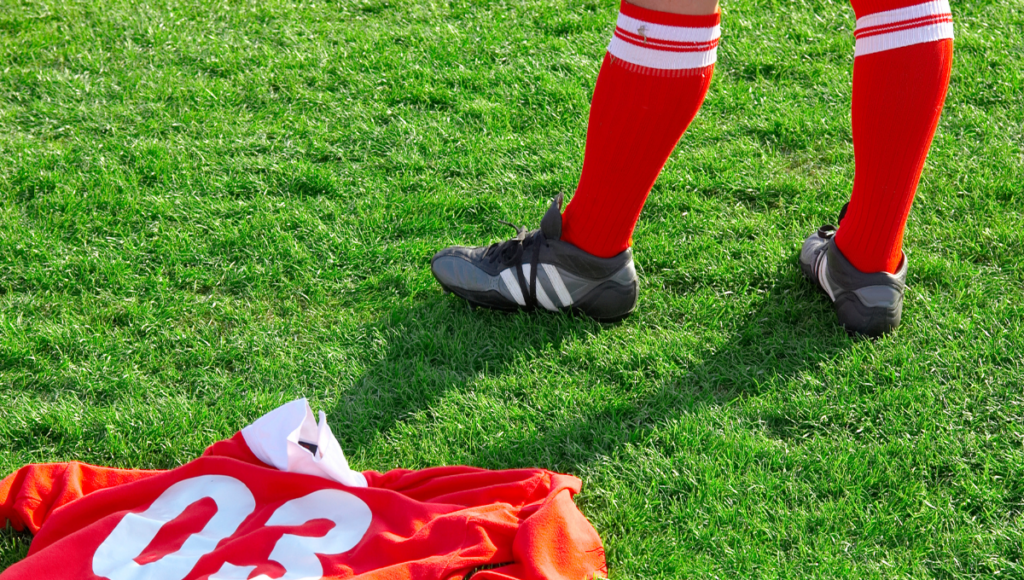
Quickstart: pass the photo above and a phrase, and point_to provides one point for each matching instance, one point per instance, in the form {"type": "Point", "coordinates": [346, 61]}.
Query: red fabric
{"type": "Point", "coordinates": [897, 100]}
{"type": "Point", "coordinates": [235, 448]}
{"type": "Point", "coordinates": [865, 7]}
{"type": "Point", "coordinates": [668, 18]}
{"type": "Point", "coordinates": [435, 523]}
{"type": "Point", "coordinates": [31, 494]}
{"type": "Point", "coordinates": [637, 116]}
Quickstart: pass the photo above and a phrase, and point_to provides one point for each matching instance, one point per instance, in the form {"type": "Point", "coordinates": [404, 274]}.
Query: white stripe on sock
{"type": "Point", "coordinates": [642, 56]}
{"type": "Point", "coordinates": [932, 8]}
{"type": "Point", "coordinates": [512, 284]}
{"type": "Point", "coordinates": [668, 33]}
{"type": "Point", "coordinates": [925, 22]}
{"type": "Point", "coordinates": [901, 38]}
{"type": "Point", "coordinates": [664, 47]}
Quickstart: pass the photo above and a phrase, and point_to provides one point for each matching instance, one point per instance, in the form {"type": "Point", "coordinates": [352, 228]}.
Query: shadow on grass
{"type": "Point", "coordinates": [420, 353]}
{"type": "Point", "coordinates": [787, 335]}
{"type": "Point", "coordinates": [13, 546]}
{"type": "Point", "coordinates": [437, 346]}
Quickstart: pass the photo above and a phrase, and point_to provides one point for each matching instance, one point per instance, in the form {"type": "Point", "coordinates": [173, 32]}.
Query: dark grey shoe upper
{"type": "Point", "coordinates": [502, 275]}
{"type": "Point", "coordinates": [866, 303]}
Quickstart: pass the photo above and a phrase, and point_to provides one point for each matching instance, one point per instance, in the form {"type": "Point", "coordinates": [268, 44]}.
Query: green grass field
{"type": "Point", "coordinates": [211, 208]}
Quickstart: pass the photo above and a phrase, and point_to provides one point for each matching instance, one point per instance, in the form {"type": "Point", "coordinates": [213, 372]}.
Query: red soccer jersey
{"type": "Point", "coordinates": [278, 500]}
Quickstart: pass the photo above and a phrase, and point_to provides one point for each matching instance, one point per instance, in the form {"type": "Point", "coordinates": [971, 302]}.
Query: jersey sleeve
{"type": "Point", "coordinates": [554, 540]}
{"type": "Point", "coordinates": [29, 495]}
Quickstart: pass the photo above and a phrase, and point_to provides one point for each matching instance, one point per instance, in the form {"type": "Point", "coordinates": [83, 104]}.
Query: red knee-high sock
{"type": "Point", "coordinates": [900, 75]}
{"type": "Point", "coordinates": [652, 82]}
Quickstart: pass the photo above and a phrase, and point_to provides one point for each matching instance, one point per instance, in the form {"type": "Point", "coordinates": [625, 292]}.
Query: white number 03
{"type": "Point", "coordinates": [115, 558]}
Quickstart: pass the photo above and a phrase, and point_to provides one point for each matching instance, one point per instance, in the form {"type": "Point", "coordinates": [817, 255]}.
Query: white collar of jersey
{"type": "Point", "coordinates": [274, 439]}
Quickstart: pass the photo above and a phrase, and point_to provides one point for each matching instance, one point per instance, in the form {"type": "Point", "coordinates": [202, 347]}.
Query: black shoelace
{"type": "Point", "coordinates": [510, 253]}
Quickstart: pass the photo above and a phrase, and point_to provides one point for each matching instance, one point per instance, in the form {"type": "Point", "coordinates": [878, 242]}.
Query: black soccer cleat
{"type": "Point", "coordinates": [869, 304]}
{"type": "Point", "coordinates": [536, 268]}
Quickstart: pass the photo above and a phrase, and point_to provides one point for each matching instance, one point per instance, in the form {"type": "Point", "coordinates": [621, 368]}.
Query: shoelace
{"type": "Point", "coordinates": [510, 253]}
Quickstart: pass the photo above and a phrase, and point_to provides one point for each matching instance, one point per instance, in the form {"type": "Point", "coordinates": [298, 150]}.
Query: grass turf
{"type": "Point", "coordinates": [210, 208]}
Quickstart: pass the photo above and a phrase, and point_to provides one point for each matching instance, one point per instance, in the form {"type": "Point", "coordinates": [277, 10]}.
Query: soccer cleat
{"type": "Point", "coordinates": [536, 268]}
{"type": "Point", "coordinates": [869, 304]}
